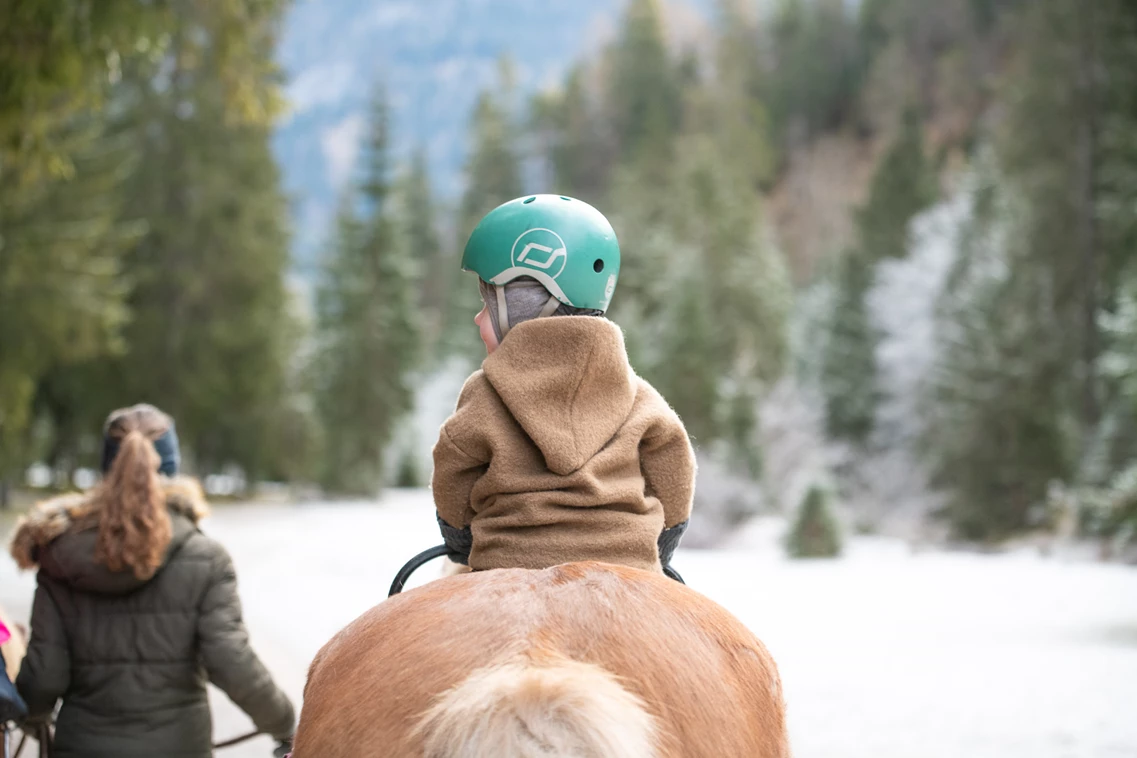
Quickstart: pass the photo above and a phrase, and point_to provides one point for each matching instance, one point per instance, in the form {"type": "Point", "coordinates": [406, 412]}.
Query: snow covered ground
{"type": "Point", "coordinates": [884, 653]}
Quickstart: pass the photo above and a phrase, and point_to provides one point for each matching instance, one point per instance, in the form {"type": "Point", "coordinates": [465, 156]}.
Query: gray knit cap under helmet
{"type": "Point", "coordinates": [520, 300]}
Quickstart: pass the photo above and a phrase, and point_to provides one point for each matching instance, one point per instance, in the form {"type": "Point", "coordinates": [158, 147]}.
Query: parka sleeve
{"type": "Point", "coordinates": [667, 463]}
{"type": "Point", "coordinates": [45, 674]}
{"type": "Point", "coordinates": [459, 465]}
{"type": "Point", "coordinates": [229, 659]}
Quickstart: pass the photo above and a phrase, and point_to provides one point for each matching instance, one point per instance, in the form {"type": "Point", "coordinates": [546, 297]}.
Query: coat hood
{"type": "Point", "coordinates": [568, 383]}
{"type": "Point", "coordinates": [59, 537]}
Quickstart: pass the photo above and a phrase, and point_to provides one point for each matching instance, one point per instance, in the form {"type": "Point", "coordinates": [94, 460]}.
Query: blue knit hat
{"type": "Point", "coordinates": [166, 446]}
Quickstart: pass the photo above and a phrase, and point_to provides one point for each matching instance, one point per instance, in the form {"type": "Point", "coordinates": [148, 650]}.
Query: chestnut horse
{"type": "Point", "coordinates": [587, 660]}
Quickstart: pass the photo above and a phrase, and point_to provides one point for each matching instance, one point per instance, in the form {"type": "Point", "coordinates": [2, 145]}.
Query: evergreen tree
{"type": "Point", "coordinates": [815, 532]}
{"type": "Point", "coordinates": [1022, 388]}
{"type": "Point", "coordinates": [70, 406]}
{"type": "Point", "coordinates": [901, 187]}
{"type": "Point", "coordinates": [61, 291]}
{"type": "Point", "coordinates": [367, 329]}
{"type": "Point", "coordinates": [60, 175]}
{"type": "Point", "coordinates": [493, 177]}
{"type": "Point", "coordinates": [59, 60]}
{"type": "Point", "coordinates": [716, 208]}
{"type": "Point", "coordinates": [87, 114]}
{"type": "Point", "coordinates": [407, 474]}
{"type": "Point", "coordinates": [416, 209]}
{"type": "Point", "coordinates": [576, 148]}
{"type": "Point", "coordinates": [998, 425]}
{"type": "Point", "coordinates": [704, 299]}
{"type": "Point", "coordinates": [738, 116]}
{"type": "Point", "coordinates": [208, 336]}
{"type": "Point", "coordinates": [813, 81]}
{"type": "Point", "coordinates": [686, 374]}
{"type": "Point", "coordinates": [848, 363]}
{"type": "Point", "coordinates": [493, 171]}
{"type": "Point", "coordinates": [1110, 66]}
{"type": "Point", "coordinates": [1117, 196]}
{"type": "Point", "coordinates": [644, 101]}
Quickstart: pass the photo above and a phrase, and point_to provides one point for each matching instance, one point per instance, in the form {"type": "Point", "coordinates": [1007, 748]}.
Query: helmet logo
{"type": "Point", "coordinates": [609, 289]}
{"type": "Point", "coordinates": [541, 249]}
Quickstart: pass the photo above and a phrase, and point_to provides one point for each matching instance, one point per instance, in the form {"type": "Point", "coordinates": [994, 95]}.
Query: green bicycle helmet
{"type": "Point", "coordinates": [565, 244]}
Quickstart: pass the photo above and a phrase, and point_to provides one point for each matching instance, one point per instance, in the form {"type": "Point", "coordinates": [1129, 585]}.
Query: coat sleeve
{"type": "Point", "coordinates": [668, 466]}
{"type": "Point", "coordinates": [229, 659]}
{"type": "Point", "coordinates": [455, 474]}
{"type": "Point", "coordinates": [45, 674]}
{"type": "Point", "coordinates": [459, 463]}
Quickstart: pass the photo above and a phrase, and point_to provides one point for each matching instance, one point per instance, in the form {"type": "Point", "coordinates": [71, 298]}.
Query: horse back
{"type": "Point", "coordinates": [710, 685]}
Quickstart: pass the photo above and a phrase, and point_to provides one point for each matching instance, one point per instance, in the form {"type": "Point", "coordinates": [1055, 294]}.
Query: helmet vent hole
{"type": "Point", "coordinates": [566, 199]}
{"type": "Point", "coordinates": [526, 202]}
{"type": "Point", "coordinates": [598, 266]}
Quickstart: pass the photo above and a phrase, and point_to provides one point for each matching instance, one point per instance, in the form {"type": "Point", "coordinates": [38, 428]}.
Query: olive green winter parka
{"type": "Point", "coordinates": [131, 658]}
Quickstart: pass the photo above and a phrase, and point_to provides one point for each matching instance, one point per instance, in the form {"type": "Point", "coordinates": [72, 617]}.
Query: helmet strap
{"type": "Point", "coordinates": [502, 310]}
{"type": "Point", "coordinates": [550, 307]}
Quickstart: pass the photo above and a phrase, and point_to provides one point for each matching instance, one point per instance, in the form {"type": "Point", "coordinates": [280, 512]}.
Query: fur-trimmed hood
{"type": "Point", "coordinates": [58, 536]}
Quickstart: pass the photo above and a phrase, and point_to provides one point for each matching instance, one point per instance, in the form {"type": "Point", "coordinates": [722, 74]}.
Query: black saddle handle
{"type": "Point", "coordinates": [437, 552]}
{"type": "Point", "coordinates": [672, 573]}
{"type": "Point", "coordinates": [414, 563]}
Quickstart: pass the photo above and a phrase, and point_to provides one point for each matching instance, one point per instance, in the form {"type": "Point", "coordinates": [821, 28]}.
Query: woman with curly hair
{"type": "Point", "coordinates": [136, 609]}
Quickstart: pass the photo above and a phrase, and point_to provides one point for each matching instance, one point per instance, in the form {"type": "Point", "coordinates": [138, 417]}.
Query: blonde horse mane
{"type": "Point", "coordinates": [557, 708]}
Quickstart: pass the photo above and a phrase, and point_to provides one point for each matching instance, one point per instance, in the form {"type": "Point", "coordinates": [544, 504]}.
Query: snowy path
{"type": "Point", "coordinates": [884, 654]}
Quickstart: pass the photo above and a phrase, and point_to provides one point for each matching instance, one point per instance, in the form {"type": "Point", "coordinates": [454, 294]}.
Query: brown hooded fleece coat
{"type": "Point", "coordinates": [558, 452]}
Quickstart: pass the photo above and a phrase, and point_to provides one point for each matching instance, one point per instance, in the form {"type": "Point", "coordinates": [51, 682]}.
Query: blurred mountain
{"type": "Point", "coordinates": [434, 56]}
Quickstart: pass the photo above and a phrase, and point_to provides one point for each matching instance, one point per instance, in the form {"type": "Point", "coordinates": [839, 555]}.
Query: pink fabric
{"type": "Point", "coordinates": [5, 635]}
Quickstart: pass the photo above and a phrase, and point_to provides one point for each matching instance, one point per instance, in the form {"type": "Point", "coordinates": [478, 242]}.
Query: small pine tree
{"type": "Point", "coordinates": [903, 185]}
{"type": "Point", "coordinates": [815, 532]}
{"type": "Point", "coordinates": [408, 474]}
{"type": "Point", "coordinates": [848, 362]}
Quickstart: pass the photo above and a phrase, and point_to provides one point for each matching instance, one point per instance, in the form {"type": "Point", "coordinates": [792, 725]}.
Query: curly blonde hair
{"type": "Point", "coordinates": [134, 526]}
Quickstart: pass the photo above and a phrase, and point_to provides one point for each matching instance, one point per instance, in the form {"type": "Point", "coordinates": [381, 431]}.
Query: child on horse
{"type": "Point", "coordinates": [557, 451]}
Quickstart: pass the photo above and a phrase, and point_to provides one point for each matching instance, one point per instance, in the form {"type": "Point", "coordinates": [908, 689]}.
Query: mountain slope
{"type": "Point", "coordinates": [433, 57]}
